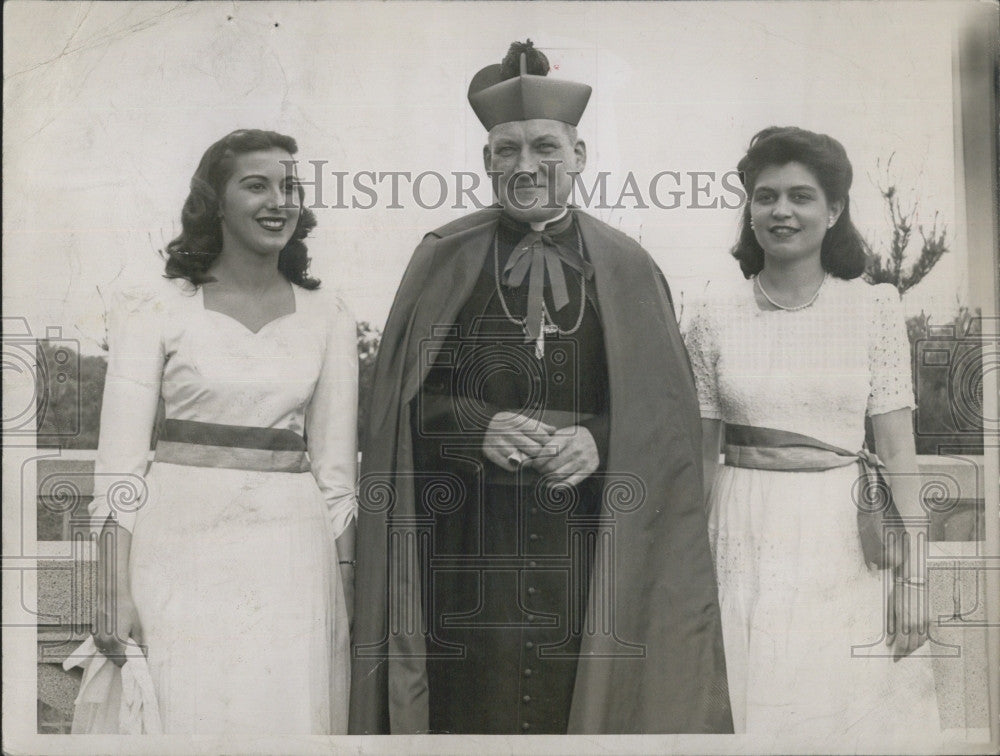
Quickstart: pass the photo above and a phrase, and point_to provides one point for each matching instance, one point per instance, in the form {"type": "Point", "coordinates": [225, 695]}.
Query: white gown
{"type": "Point", "coordinates": [802, 614]}
{"type": "Point", "coordinates": [234, 572]}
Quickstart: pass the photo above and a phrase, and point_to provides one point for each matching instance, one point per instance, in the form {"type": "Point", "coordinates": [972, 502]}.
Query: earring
{"type": "Point", "coordinates": [832, 221]}
{"type": "Point", "coordinates": [752, 226]}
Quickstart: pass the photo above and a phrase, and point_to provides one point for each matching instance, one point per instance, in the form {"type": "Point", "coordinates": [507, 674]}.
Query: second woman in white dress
{"type": "Point", "coordinates": [819, 645]}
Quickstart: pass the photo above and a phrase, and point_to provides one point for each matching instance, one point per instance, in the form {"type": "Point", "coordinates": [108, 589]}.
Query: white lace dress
{"type": "Point", "coordinates": [802, 614]}
{"type": "Point", "coordinates": [233, 571]}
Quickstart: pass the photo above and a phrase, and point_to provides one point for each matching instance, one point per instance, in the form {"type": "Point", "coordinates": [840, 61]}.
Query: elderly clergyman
{"type": "Point", "coordinates": [532, 548]}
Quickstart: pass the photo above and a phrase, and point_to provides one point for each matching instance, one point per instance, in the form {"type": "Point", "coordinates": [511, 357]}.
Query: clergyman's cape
{"type": "Point", "coordinates": [663, 668]}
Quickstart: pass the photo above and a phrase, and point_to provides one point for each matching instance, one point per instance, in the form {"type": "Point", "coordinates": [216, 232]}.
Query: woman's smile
{"type": "Point", "coordinates": [790, 212]}
{"type": "Point", "coordinates": [783, 232]}
{"type": "Point", "coordinates": [272, 223]}
{"type": "Point", "coordinates": [260, 207]}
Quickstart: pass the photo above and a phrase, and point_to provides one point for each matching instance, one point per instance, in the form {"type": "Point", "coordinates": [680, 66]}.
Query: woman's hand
{"type": "Point", "coordinates": [907, 617]}
{"type": "Point", "coordinates": [907, 610]}
{"type": "Point", "coordinates": [117, 618]}
{"type": "Point", "coordinates": [347, 579]}
{"type": "Point", "coordinates": [117, 621]}
{"type": "Point", "coordinates": [711, 448]}
{"type": "Point", "coordinates": [347, 564]}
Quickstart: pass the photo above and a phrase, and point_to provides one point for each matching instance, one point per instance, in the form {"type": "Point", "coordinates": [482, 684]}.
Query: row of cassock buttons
{"type": "Point", "coordinates": [529, 645]}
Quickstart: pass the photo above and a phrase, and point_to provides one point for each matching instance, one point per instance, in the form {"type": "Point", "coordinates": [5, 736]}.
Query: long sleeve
{"type": "Point", "coordinates": [131, 392]}
{"type": "Point", "coordinates": [332, 419]}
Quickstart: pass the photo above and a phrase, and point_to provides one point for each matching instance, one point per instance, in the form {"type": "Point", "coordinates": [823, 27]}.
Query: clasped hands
{"type": "Point", "coordinates": [568, 455]}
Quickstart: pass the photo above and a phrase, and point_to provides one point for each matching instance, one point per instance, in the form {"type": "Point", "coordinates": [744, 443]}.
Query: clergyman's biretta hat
{"type": "Point", "coordinates": [518, 90]}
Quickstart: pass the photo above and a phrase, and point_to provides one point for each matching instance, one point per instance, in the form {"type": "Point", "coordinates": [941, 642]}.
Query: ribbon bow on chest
{"type": "Point", "coordinates": [537, 254]}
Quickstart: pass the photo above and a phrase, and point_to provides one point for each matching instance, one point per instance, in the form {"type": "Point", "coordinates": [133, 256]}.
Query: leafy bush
{"type": "Point", "coordinates": [69, 410]}
{"type": "Point", "coordinates": [947, 359]}
{"type": "Point", "coordinates": [887, 266]}
{"type": "Point", "coordinates": [369, 339]}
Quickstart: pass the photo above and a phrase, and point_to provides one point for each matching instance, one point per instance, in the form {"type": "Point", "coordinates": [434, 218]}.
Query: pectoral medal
{"type": "Point", "coordinates": [545, 328]}
{"type": "Point", "coordinates": [546, 257]}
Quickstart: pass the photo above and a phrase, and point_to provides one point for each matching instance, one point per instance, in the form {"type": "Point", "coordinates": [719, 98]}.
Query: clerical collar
{"type": "Point", "coordinates": [541, 225]}
{"type": "Point", "coordinates": [553, 226]}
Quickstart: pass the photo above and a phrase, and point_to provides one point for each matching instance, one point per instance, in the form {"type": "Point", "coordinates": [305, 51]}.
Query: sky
{"type": "Point", "coordinates": [109, 106]}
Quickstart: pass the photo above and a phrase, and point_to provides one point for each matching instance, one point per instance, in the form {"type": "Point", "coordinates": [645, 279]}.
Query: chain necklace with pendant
{"type": "Point", "coordinates": [548, 326]}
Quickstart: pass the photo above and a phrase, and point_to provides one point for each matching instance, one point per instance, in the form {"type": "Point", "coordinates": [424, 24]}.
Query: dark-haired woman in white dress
{"type": "Point", "coordinates": [789, 364]}
{"type": "Point", "coordinates": [231, 557]}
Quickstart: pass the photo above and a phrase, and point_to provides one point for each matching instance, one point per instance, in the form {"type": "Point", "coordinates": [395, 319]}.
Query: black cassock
{"type": "Point", "coordinates": [510, 564]}
{"type": "Point", "coordinates": [651, 658]}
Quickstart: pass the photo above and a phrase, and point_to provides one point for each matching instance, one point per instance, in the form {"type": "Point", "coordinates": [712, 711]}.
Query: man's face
{"type": "Point", "coordinates": [533, 159]}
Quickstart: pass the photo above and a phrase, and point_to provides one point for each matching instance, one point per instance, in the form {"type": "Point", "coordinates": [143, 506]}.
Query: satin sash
{"type": "Point", "coordinates": [198, 444]}
{"type": "Point", "coordinates": [772, 449]}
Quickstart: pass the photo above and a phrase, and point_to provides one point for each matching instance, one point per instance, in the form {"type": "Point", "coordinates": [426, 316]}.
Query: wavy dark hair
{"type": "Point", "coordinates": [191, 254]}
{"type": "Point", "coordinates": [844, 253]}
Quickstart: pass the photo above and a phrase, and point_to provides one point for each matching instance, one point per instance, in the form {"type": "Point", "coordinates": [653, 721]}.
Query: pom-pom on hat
{"type": "Point", "coordinates": [518, 90]}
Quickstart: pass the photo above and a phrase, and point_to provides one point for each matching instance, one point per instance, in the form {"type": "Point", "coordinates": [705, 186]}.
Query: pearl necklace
{"type": "Point", "coordinates": [812, 299]}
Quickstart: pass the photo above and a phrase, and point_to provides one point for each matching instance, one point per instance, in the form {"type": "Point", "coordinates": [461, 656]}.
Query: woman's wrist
{"type": "Point", "coordinates": [113, 601]}
{"type": "Point", "coordinates": [911, 571]}
{"type": "Point", "coordinates": [117, 588]}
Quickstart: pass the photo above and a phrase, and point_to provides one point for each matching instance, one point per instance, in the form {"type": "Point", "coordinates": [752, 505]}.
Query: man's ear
{"type": "Point", "coordinates": [580, 150]}
{"type": "Point", "coordinates": [486, 157]}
